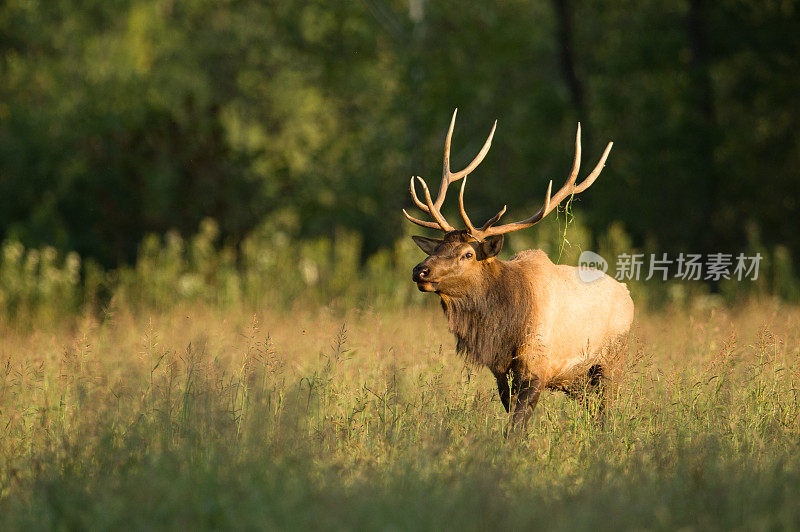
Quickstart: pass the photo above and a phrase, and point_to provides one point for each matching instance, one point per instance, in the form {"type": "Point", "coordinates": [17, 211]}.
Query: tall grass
{"type": "Point", "coordinates": [204, 417]}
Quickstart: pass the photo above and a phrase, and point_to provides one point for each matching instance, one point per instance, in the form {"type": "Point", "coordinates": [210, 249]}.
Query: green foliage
{"type": "Point", "coordinates": [128, 117]}
{"type": "Point", "coordinates": [270, 268]}
{"type": "Point", "coordinates": [37, 283]}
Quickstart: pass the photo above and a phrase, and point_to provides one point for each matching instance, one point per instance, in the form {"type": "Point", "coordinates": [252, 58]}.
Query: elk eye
{"type": "Point", "coordinates": [467, 255]}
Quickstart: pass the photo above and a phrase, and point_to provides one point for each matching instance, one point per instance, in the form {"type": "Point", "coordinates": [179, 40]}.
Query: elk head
{"type": "Point", "coordinates": [459, 261]}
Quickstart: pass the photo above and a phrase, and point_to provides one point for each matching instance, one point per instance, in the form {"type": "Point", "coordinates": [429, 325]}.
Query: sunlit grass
{"type": "Point", "coordinates": [204, 418]}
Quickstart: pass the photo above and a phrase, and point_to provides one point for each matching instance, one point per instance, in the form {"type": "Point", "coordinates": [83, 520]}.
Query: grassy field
{"type": "Point", "coordinates": [203, 418]}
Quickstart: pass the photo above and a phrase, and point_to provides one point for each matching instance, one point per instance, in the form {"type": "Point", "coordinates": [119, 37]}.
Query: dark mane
{"type": "Point", "coordinates": [492, 322]}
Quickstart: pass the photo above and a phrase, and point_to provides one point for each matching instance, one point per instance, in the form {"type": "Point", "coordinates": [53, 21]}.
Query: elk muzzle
{"type": "Point", "coordinates": [421, 275]}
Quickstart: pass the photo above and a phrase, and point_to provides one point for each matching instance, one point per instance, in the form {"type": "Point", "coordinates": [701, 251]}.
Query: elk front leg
{"type": "Point", "coordinates": [503, 390]}
{"type": "Point", "coordinates": [526, 396]}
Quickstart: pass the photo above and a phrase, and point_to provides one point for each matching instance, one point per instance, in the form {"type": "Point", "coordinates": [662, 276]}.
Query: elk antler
{"type": "Point", "coordinates": [550, 202]}
{"type": "Point", "coordinates": [433, 207]}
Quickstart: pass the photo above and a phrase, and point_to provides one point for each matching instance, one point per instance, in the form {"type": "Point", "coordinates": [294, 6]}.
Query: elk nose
{"type": "Point", "coordinates": [420, 273]}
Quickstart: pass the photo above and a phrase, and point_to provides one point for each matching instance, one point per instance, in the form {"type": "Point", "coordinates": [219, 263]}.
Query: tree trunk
{"type": "Point", "coordinates": [704, 126]}
{"type": "Point", "coordinates": [564, 31]}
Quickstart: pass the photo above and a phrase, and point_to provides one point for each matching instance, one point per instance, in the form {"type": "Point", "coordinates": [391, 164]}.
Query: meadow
{"type": "Point", "coordinates": [201, 417]}
{"type": "Point", "coordinates": [206, 313]}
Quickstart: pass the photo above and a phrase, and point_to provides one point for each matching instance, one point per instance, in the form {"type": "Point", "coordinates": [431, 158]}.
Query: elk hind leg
{"type": "Point", "coordinates": [589, 391]}
{"type": "Point", "coordinates": [596, 386]}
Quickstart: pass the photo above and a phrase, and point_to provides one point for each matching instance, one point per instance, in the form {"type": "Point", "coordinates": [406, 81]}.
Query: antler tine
{"type": "Point", "coordinates": [449, 177]}
{"type": "Point", "coordinates": [569, 185]}
{"type": "Point", "coordinates": [478, 158]}
{"type": "Point", "coordinates": [576, 164]}
{"type": "Point", "coordinates": [433, 210]}
{"type": "Point", "coordinates": [494, 219]}
{"type": "Point", "coordinates": [596, 172]}
{"type": "Point", "coordinates": [446, 164]}
{"type": "Point", "coordinates": [414, 197]}
{"type": "Point", "coordinates": [541, 213]}
{"type": "Point", "coordinates": [462, 209]}
{"type": "Point", "coordinates": [423, 223]}
{"type": "Point", "coordinates": [547, 199]}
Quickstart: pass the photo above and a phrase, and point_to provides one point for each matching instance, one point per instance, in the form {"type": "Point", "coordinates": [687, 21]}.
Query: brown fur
{"type": "Point", "coordinates": [528, 315]}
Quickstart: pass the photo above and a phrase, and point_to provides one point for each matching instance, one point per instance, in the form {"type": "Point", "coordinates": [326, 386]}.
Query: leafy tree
{"type": "Point", "coordinates": [124, 117]}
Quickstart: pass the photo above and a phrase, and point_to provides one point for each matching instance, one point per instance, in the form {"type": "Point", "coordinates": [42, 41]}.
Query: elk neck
{"type": "Point", "coordinates": [489, 320]}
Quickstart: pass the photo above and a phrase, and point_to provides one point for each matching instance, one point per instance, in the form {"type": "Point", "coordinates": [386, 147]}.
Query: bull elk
{"type": "Point", "coordinates": [536, 325]}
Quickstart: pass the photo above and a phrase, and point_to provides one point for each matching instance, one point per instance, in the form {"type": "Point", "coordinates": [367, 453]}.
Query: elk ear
{"type": "Point", "coordinates": [428, 245]}
{"type": "Point", "coordinates": [492, 245]}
